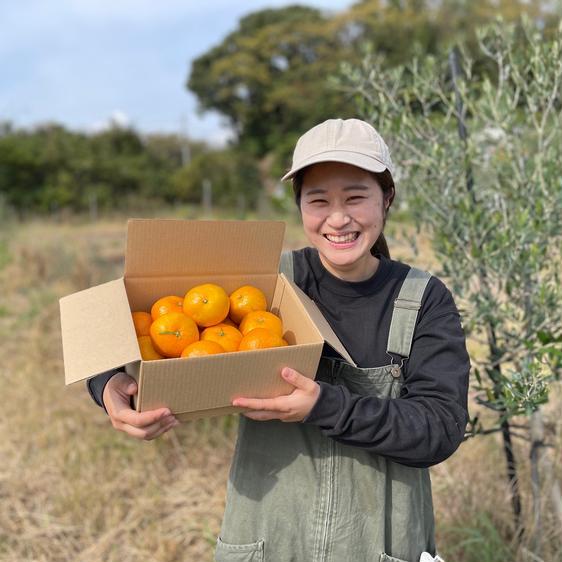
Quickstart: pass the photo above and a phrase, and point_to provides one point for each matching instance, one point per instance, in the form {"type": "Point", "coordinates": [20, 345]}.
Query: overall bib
{"type": "Point", "coordinates": [294, 495]}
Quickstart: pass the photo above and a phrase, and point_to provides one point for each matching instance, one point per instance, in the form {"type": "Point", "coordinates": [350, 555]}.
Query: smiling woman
{"type": "Point", "coordinates": [347, 454]}
{"type": "Point", "coordinates": [354, 465]}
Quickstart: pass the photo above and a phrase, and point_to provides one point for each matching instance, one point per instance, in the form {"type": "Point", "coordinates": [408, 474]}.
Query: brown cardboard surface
{"type": "Point", "coordinates": [166, 247]}
{"type": "Point", "coordinates": [97, 331]}
{"type": "Point", "coordinates": [189, 416]}
{"type": "Point", "coordinates": [299, 328]}
{"type": "Point", "coordinates": [170, 257]}
{"type": "Point", "coordinates": [203, 383]}
{"type": "Point", "coordinates": [319, 321]}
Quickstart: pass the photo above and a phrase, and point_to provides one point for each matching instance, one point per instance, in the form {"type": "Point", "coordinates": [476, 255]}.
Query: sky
{"type": "Point", "coordinates": [84, 63]}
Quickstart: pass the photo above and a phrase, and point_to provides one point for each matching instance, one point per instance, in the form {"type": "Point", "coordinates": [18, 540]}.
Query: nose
{"type": "Point", "coordinates": [338, 219]}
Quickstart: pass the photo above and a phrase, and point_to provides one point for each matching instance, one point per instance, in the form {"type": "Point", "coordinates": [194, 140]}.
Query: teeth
{"type": "Point", "coordinates": [342, 238]}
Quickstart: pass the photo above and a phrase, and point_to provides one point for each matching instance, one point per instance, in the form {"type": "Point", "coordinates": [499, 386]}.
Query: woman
{"type": "Point", "coordinates": [337, 470]}
{"type": "Point", "coordinates": [347, 479]}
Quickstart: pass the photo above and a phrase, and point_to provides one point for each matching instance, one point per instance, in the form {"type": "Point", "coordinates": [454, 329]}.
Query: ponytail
{"type": "Point", "coordinates": [380, 247]}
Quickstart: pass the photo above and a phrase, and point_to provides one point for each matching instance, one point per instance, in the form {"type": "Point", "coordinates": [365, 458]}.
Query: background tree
{"type": "Point", "coordinates": [481, 162]}
{"type": "Point", "coordinates": [268, 76]}
{"type": "Point", "coordinates": [233, 177]}
{"type": "Point", "coordinates": [49, 168]}
{"type": "Point", "coordinates": [21, 171]}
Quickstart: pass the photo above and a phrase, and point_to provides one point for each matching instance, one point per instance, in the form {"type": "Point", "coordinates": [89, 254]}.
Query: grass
{"type": "Point", "coordinates": [73, 489]}
{"type": "Point", "coordinates": [479, 540]}
{"type": "Point", "coordinates": [5, 256]}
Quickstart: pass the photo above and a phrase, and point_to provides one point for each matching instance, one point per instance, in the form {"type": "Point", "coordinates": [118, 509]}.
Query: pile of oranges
{"type": "Point", "coordinates": [207, 321]}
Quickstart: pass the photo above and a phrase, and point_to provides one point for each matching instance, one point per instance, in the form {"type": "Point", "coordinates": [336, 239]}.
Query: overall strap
{"type": "Point", "coordinates": [286, 265]}
{"type": "Point", "coordinates": [405, 312]}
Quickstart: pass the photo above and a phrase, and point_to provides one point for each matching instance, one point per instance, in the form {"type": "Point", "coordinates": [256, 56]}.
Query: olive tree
{"type": "Point", "coordinates": [479, 150]}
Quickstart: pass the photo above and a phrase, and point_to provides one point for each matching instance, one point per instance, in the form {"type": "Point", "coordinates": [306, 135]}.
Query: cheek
{"type": "Point", "coordinates": [310, 222]}
{"type": "Point", "coordinates": [371, 215]}
{"type": "Point", "coordinates": [306, 216]}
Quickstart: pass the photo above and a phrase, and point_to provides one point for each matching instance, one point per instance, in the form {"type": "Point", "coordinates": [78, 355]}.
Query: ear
{"type": "Point", "coordinates": [388, 202]}
{"type": "Point", "coordinates": [390, 198]}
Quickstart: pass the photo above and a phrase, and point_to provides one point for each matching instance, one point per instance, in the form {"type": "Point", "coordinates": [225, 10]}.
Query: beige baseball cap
{"type": "Point", "coordinates": [350, 141]}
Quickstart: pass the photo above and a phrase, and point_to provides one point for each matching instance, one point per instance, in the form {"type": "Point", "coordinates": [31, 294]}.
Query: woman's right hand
{"type": "Point", "coordinates": [142, 425]}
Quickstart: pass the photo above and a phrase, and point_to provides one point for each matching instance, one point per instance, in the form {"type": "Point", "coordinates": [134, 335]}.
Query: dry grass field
{"type": "Point", "coordinates": [73, 489]}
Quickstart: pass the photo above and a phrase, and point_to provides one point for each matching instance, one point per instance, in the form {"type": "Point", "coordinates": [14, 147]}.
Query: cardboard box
{"type": "Point", "coordinates": [167, 257]}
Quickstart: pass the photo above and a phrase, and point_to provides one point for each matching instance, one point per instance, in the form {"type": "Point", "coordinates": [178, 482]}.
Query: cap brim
{"type": "Point", "coordinates": [346, 157]}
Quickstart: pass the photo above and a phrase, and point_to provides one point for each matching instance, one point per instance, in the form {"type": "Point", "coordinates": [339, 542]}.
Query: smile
{"type": "Point", "coordinates": [342, 238]}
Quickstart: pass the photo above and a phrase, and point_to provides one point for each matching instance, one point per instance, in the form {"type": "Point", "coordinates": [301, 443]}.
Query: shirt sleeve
{"type": "Point", "coordinates": [96, 386]}
{"type": "Point", "coordinates": [426, 424]}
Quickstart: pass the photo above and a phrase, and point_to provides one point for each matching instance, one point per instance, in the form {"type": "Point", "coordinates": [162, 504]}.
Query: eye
{"type": "Point", "coordinates": [356, 198]}
{"type": "Point", "coordinates": [317, 201]}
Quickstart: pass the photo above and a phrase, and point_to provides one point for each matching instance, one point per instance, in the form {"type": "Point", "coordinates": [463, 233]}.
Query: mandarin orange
{"type": "Point", "coordinates": [142, 322]}
{"type": "Point", "coordinates": [246, 299]}
{"type": "Point", "coordinates": [166, 304]}
{"type": "Point", "coordinates": [261, 319]}
{"type": "Point", "coordinates": [207, 304]}
{"type": "Point", "coordinates": [148, 353]}
{"type": "Point", "coordinates": [201, 348]}
{"type": "Point", "coordinates": [261, 338]}
{"type": "Point", "coordinates": [227, 336]}
{"type": "Point", "coordinates": [171, 333]}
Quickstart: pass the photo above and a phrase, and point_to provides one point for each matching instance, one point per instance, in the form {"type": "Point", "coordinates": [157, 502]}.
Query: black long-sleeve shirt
{"type": "Point", "coordinates": [426, 423]}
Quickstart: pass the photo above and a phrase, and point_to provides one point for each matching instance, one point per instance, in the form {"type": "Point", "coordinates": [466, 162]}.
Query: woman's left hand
{"type": "Point", "coordinates": [291, 407]}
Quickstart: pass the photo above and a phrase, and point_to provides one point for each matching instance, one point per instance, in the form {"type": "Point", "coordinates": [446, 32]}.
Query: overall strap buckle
{"type": "Point", "coordinates": [395, 369]}
{"type": "Point", "coordinates": [407, 304]}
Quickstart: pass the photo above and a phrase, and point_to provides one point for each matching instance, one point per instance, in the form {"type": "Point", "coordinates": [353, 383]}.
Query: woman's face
{"type": "Point", "coordinates": [342, 210]}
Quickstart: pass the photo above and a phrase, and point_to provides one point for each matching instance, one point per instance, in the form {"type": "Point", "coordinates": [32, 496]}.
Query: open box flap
{"type": "Point", "coordinates": [97, 331]}
{"type": "Point", "coordinates": [320, 322]}
{"type": "Point", "coordinates": [169, 247]}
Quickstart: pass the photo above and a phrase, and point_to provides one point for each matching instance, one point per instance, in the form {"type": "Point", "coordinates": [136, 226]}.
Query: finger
{"type": "Point", "coordinates": [132, 388]}
{"type": "Point", "coordinates": [263, 415]}
{"type": "Point", "coordinates": [175, 423]}
{"type": "Point", "coordinates": [275, 404]}
{"type": "Point", "coordinates": [142, 419]}
{"type": "Point", "coordinates": [123, 384]}
{"type": "Point", "coordinates": [165, 429]}
{"type": "Point", "coordinates": [297, 379]}
{"type": "Point", "coordinates": [149, 432]}
{"type": "Point", "coordinates": [115, 396]}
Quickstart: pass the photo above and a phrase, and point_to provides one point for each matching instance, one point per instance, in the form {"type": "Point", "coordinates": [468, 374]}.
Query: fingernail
{"type": "Point", "coordinates": [287, 373]}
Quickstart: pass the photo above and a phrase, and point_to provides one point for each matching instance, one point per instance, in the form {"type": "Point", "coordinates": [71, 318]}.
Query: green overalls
{"type": "Point", "coordinates": [294, 495]}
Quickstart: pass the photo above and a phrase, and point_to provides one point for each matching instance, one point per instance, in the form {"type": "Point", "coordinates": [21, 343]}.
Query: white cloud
{"type": "Point", "coordinates": [117, 118]}
{"type": "Point", "coordinates": [220, 137]}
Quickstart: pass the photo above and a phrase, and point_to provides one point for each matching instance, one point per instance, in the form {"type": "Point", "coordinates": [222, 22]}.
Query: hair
{"type": "Point", "coordinates": [386, 183]}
